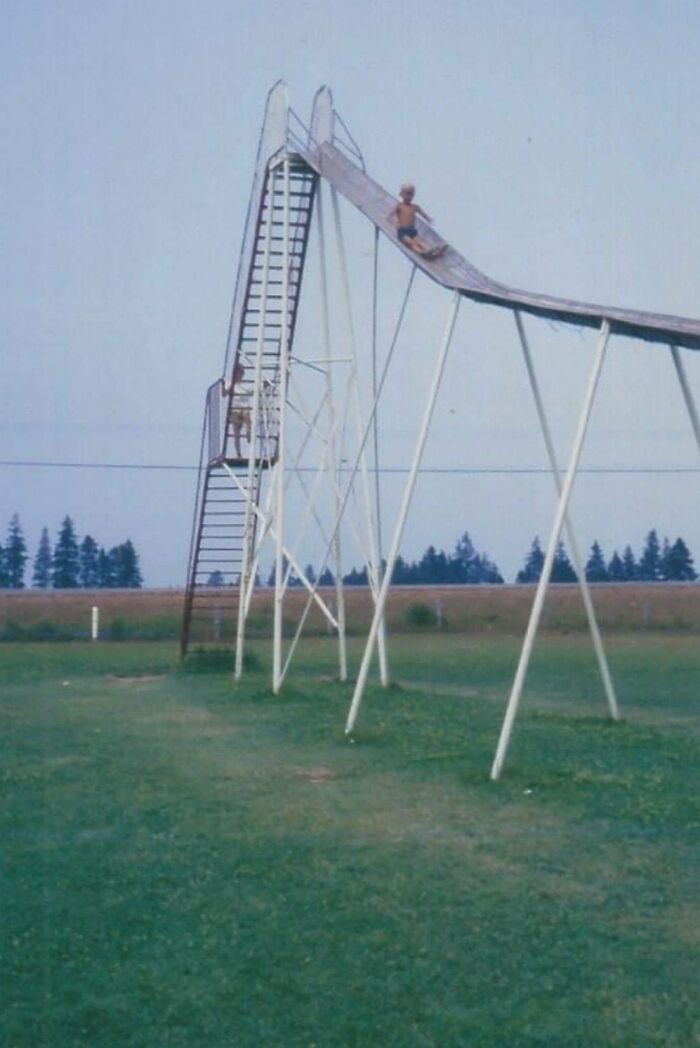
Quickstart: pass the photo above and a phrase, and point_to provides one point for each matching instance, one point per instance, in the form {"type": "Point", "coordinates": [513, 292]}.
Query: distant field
{"type": "Point", "coordinates": [156, 614]}
{"type": "Point", "coordinates": [187, 863]}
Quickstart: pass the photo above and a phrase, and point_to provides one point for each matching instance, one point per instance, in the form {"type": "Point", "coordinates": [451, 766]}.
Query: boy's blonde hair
{"type": "Point", "coordinates": [407, 187]}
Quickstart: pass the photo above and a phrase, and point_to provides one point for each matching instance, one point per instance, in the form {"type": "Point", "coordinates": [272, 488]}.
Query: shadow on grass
{"type": "Point", "coordinates": [217, 660]}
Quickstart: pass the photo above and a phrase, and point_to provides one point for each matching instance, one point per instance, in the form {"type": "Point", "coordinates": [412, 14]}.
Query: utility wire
{"type": "Point", "coordinates": [447, 470]}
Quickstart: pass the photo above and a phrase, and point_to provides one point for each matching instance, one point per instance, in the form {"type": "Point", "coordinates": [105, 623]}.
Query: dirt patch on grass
{"type": "Point", "coordinates": [316, 775]}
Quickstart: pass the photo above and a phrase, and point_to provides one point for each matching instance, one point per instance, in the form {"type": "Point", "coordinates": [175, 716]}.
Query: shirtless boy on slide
{"type": "Point", "coordinates": [404, 218]}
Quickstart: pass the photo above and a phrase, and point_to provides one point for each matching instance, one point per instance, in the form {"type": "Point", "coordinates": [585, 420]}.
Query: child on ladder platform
{"type": "Point", "coordinates": [240, 407]}
{"type": "Point", "coordinates": [403, 216]}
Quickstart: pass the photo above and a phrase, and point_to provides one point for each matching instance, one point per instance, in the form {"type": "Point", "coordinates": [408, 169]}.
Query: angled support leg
{"type": "Point", "coordinates": [570, 534]}
{"type": "Point", "coordinates": [373, 565]}
{"type": "Point", "coordinates": [538, 604]}
{"type": "Point", "coordinates": [687, 393]}
{"type": "Point", "coordinates": [403, 513]}
{"type": "Point", "coordinates": [333, 450]}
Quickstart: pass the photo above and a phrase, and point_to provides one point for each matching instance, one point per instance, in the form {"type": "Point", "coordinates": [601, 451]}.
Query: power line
{"type": "Point", "coordinates": [446, 470]}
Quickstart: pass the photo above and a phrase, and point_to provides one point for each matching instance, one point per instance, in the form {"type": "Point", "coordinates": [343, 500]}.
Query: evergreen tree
{"type": "Point", "coordinates": [310, 573]}
{"type": "Point", "coordinates": [595, 565]}
{"type": "Point", "coordinates": [533, 563]}
{"type": "Point", "coordinates": [427, 566]}
{"type": "Point", "coordinates": [679, 564]}
{"type": "Point", "coordinates": [616, 569]}
{"type": "Point", "coordinates": [630, 571]}
{"type": "Point", "coordinates": [15, 554]}
{"type": "Point", "coordinates": [650, 561]}
{"type": "Point", "coordinates": [3, 570]}
{"type": "Point", "coordinates": [66, 561]}
{"type": "Point", "coordinates": [89, 569]}
{"type": "Point", "coordinates": [465, 561]}
{"type": "Point", "coordinates": [294, 581]}
{"type": "Point", "coordinates": [326, 578]}
{"type": "Point", "coordinates": [125, 566]}
{"type": "Point", "coordinates": [42, 562]}
{"type": "Point", "coordinates": [105, 570]}
{"type": "Point", "coordinates": [400, 573]}
{"type": "Point", "coordinates": [487, 570]}
{"type": "Point", "coordinates": [562, 569]}
{"type": "Point", "coordinates": [356, 578]}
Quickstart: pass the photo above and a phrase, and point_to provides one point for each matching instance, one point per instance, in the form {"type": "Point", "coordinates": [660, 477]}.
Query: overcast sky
{"type": "Point", "coordinates": [557, 145]}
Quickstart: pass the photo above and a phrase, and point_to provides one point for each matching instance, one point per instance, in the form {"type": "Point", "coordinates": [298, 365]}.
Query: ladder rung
{"type": "Point", "coordinates": [278, 254]}
{"type": "Point", "coordinates": [220, 549]}
{"type": "Point", "coordinates": [219, 560]}
{"type": "Point", "coordinates": [224, 571]}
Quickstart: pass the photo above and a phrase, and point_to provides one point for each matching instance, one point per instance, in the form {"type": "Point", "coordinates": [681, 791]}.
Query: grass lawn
{"type": "Point", "coordinates": [189, 863]}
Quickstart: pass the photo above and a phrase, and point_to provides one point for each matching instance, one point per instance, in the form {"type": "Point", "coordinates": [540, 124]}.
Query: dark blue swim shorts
{"type": "Point", "coordinates": [406, 231]}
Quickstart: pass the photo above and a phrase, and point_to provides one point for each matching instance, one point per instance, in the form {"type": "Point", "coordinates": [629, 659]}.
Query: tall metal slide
{"type": "Point", "coordinates": [453, 271]}
{"type": "Point", "coordinates": [263, 317]}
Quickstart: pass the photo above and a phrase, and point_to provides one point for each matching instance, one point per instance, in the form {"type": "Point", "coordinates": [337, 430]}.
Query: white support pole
{"type": "Point", "coordinates": [570, 533]}
{"type": "Point", "coordinates": [95, 623]}
{"type": "Point", "coordinates": [687, 393]}
{"type": "Point", "coordinates": [333, 456]}
{"type": "Point", "coordinates": [538, 604]}
{"type": "Point", "coordinates": [288, 556]}
{"type": "Point", "coordinates": [260, 541]}
{"type": "Point", "coordinates": [375, 426]}
{"type": "Point", "coordinates": [373, 565]}
{"type": "Point", "coordinates": [281, 452]}
{"type": "Point", "coordinates": [380, 605]}
{"type": "Point", "coordinates": [345, 496]}
{"type": "Point", "coordinates": [243, 602]}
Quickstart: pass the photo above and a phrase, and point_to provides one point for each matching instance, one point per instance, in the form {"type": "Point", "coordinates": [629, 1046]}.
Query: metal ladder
{"type": "Point", "coordinates": [218, 528]}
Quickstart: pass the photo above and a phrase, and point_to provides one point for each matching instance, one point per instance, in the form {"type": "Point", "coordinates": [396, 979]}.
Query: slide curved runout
{"type": "Point", "coordinates": [452, 270]}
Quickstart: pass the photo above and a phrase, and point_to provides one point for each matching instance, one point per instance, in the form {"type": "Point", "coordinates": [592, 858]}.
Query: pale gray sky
{"type": "Point", "coordinates": [557, 144]}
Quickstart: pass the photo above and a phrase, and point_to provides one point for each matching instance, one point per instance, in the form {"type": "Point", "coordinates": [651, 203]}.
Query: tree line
{"type": "Point", "coordinates": [463, 566]}
{"type": "Point", "coordinates": [70, 564]}
{"type": "Point", "coordinates": [659, 561]}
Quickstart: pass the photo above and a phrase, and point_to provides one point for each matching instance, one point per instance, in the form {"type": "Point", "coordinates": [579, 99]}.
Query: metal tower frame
{"type": "Point", "coordinates": [273, 255]}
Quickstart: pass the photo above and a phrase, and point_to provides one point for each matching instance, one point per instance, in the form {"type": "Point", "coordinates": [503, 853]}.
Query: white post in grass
{"type": "Point", "coordinates": [380, 603]}
{"type": "Point", "coordinates": [570, 533]}
{"type": "Point", "coordinates": [95, 624]}
{"type": "Point", "coordinates": [538, 604]}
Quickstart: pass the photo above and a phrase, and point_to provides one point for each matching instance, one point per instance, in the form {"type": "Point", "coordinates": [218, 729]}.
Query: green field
{"type": "Point", "coordinates": [189, 863]}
